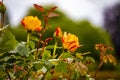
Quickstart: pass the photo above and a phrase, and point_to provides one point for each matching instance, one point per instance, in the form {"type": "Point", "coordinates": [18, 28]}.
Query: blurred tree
{"type": "Point", "coordinates": [112, 25]}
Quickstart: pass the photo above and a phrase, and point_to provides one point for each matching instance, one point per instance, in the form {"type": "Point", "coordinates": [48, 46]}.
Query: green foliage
{"type": "Point", "coordinates": [66, 55]}
{"type": "Point", "coordinates": [19, 33]}
{"type": "Point", "coordinates": [22, 50]}
{"type": "Point", "coordinates": [61, 67]}
{"type": "Point", "coordinates": [5, 41]}
{"type": "Point", "coordinates": [43, 56]}
{"type": "Point", "coordinates": [2, 8]}
{"type": "Point", "coordinates": [89, 59]}
{"type": "Point", "coordinates": [46, 54]}
{"type": "Point", "coordinates": [88, 34]}
{"type": "Point", "coordinates": [37, 66]}
{"type": "Point", "coordinates": [32, 44]}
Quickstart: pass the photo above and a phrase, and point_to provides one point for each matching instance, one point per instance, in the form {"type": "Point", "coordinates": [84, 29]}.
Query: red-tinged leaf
{"type": "Point", "coordinates": [105, 59]}
{"type": "Point", "coordinates": [48, 39]}
{"type": "Point", "coordinates": [52, 9]}
{"type": "Point", "coordinates": [112, 59]}
{"type": "Point", "coordinates": [81, 68]}
{"type": "Point", "coordinates": [39, 8]}
{"type": "Point", "coordinates": [109, 58]}
{"type": "Point", "coordinates": [53, 15]}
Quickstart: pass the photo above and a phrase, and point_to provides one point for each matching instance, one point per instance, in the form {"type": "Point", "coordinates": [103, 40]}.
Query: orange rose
{"type": "Point", "coordinates": [58, 32]}
{"type": "Point", "coordinates": [70, 42]}
{"type": "Point", "coordinates": [31, 23]}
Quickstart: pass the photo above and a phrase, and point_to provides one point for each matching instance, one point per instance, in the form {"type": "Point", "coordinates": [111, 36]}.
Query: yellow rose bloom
{"type": "Point", "coordinates": [31, 23]}
{"type": "Point", "coordinates": [70, 42]}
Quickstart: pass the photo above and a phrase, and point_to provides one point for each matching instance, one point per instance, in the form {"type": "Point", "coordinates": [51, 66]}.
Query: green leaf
{"type": "Point", "coordinates": [48, 76]}
{"type": "Point", "coordinates": [32, 44]}
{"type": "Point", "coordinates": [46, 54]}
{"type": "Point", "coordinates": [18, 73]}
{"type": "Point", "coordinates": [2, 67]}
{"type": "Point", "coordinates": [6, 58]}
{"type": "Point", "coordinates": [66, 55]}
{"type": "Point", "coordinates": [79, 55]}
{"type": "Point", "coordinates": [47, 64]}
{"type": "Point", "coordinates": [2, 75]}
{"type": "Point", "coordinates": [89, 60]}
{"type": "Point", "coordinates": [61, 67]}
{"type": "Point", "coordinates": [52, 47]}
{"type": "Point", "coordinates": [7, 41]}
{"type": "Point", "coordinates": [38, 66]}
{"type": "Point", "coordinates": [22, 50]}
{"type": "Point", "coordinates": [30, 57]}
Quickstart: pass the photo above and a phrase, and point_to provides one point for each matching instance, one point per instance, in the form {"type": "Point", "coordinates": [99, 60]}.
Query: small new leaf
{"type": "Point", "coordinates": [79, 55]}
{"type": "Point", "coordinates": [39, 8]}
{"type": "Point", "coordinates": [89, 60]}
{"type": "Point", "coordinates": [52, 9]}
{"type": "Point", "coordinates": [53, 15]}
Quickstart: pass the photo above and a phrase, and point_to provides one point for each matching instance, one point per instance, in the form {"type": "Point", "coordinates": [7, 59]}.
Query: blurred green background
{"type": "Point", "coordinates": [89, 34]}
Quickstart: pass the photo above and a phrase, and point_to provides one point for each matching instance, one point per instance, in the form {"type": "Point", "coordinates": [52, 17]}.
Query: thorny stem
{"type": "Point", "coordinates": [2, 20]}
{"type": "Point", "coordinates": [38, 46]}
{"type": "Point", "coordinates": [102, 54]}
{"type": "Point", "coordinates": [28, 38]}
{"type": "Point", "coordinates": [43, 78]}
{"type": "Point", "coordinates": [61, 54]}
{"type": "Point", "coordinates": [69, 77]}
{"type": "Point", "coordinates": [8, 75]}
{"type": "Point", "coordinates": [44, 75]}
{"type": "Point", "coordinates": [28, 73]}
{"type": "Point", "coordinates": [101, 63]}
{"type": "Point", "coordinates": [42, 31]}
{"type": "Point", "coordinates": [54, 49]}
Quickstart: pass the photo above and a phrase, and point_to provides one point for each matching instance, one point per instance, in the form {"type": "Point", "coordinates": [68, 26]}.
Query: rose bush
{"type": "Point", "coordinates": [35, 59]}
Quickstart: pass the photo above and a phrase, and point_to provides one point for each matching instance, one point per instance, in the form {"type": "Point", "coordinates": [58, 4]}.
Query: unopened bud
{"type": "Point", "coordinates": [58, 32]}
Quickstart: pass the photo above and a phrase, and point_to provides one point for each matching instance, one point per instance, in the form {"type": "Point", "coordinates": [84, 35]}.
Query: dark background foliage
{"type": "Point", "coordinates": [112, 26]}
